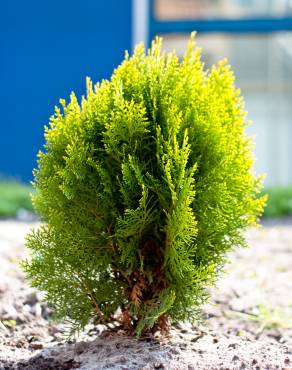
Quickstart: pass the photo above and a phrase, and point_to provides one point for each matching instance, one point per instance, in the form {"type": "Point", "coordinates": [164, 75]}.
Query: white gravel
{"type": "Point", "coordinates": [248, 321]}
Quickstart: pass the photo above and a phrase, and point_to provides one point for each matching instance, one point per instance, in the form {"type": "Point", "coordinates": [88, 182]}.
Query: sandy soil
{"type": "Point", "coordinates": [248, 322]}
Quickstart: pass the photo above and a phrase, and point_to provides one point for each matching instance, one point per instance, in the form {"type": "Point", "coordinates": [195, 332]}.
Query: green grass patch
{"type": "Point", "coordinates": [279, 202]}
{"type": "Point", "coordinates": [14, 196]}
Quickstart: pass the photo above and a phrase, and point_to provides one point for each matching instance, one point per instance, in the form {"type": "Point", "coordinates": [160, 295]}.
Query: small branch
{"type": "Point", "coordinates": [98, 311]}
{"type": "Point", "coordinates": [91, 295]}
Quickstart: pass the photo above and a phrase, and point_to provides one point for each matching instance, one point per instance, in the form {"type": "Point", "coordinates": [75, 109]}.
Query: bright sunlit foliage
{"type": "Point", "coordinates": [143, 188]}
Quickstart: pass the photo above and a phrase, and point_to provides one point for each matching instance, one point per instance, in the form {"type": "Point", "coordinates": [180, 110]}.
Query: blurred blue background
{"type": "Point", "coordinates": [49, 47]}
{"type": "Point", "coordinates": [47, 50]}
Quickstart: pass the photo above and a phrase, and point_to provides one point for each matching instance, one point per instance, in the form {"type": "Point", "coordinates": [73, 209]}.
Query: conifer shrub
{"type": "Point", "coordinates": [142, 189]}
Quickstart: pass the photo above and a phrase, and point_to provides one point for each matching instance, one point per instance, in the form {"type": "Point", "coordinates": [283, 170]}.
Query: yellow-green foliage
{"type": "Point", "coordinates": [143, 188]}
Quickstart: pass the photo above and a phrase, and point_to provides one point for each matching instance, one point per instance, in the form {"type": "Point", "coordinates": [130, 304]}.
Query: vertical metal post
{"type": "Point", "coordinates": [140, 22]}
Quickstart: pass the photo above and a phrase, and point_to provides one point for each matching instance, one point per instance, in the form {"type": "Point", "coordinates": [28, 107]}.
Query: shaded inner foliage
{"type": "Point", "coordinates": [142, 189]}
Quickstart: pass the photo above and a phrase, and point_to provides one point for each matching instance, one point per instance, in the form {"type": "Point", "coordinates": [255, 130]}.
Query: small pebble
{"type": "Point", "coordinates": [158, 365]}
{"type": "Point", "coordinates": [122, 359]}
{"type": "Point", "coordinates": [183, 345]}
{"type": "Point", "coordinates": [36, 345]}
{"type": "Point", "coordinates": [80, 347]}
{"type": "Point", "coordinates": [31, 299]}
{"type": "Point", "coordinates": [9, 313]}
{"type": "Point", "coordinates": [195, 339]}
{"type": "Point", "coordinates": [37, 310]}
{"type": "Point", "coordinates": [235, 358]}
{"type": "Point", "coordinates": [175, 351]}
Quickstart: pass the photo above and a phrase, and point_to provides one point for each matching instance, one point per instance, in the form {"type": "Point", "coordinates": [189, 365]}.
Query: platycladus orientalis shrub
{"type": "Point", "coordinates": [142, 188]}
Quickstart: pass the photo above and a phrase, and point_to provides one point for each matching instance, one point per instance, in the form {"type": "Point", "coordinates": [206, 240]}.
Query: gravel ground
{"type": "Point", "coordinates": [248, 322]}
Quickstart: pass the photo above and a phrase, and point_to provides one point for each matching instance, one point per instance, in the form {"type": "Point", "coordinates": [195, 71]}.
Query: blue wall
{"type": "Point", "coordinates": [47, 48]}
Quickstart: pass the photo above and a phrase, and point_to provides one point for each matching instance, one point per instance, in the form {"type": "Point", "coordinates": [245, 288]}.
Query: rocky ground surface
{"type": "Point", "coordinates": [248, 321]}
